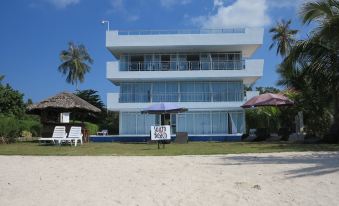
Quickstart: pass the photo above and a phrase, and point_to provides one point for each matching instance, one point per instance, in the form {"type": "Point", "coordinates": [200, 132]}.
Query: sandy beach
{"type": "Point", "coordinates": [306, 178]}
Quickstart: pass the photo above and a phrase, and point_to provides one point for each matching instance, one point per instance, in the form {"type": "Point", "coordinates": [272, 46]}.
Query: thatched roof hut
{"type": "Point", "coordinates": [63, 102]}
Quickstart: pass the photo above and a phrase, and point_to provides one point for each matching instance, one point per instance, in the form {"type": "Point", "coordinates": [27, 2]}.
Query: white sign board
{"type": "Point", "coordinates": [64, 117]}
{"type": "Point", "coordinates": [162, 132]}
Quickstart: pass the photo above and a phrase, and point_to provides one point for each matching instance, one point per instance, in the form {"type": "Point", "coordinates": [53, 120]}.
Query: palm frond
{"type": "Point", "coordinates": [75, 63]}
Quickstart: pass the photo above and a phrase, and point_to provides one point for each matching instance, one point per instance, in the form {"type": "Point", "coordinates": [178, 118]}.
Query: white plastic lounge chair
{"type": "Point", "coordinates": [75, 135]}
{"type": "Point", "coordinates": [103, 132]}
{"type": "Point", "coordinates": [59, 134]}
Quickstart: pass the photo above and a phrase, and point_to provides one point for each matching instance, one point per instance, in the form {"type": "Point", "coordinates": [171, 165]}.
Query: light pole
{"type": "Point", "coordinates": [105, 22]}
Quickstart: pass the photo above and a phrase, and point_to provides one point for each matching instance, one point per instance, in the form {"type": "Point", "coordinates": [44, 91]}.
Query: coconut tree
{"type": "Point", "coordinates": [75, 63]}
{"type": "Point", "coordinates": [325, 47]}
{"type": "Point", "coordinates": [313, 62]}
{"type": "Point", "coordinates": [283, 37]}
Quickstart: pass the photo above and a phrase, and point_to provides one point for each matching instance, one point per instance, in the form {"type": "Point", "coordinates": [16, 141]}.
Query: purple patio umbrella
{"type": "Point", "coordinates": [268, 99]}
{"type": "Point", "coordinates": [164, 108]}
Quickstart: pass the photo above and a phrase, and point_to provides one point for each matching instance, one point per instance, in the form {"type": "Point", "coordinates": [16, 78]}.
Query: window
{"type": "Point", "coordinates": [137, 63]}
{"type": "Point", "coordinates": [135, 92]}
{"type": "Point", "coordinates": [193, 61]}
{"type": "Point", "coordinates": [165, 62]}
{"type": "Point", "coordinates": [231, 91]}
{"type": "Point", "coordinates": [136, 123]}
{"type": "Point", "coordinates": [181, 61]}
{"type": "Point", "coordinates": [216, 122]}
{"type": "Point", "coordinates": [165, 92]}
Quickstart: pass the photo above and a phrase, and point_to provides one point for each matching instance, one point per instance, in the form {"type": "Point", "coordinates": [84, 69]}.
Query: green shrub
{"type": "Point", "coordinates": [31, 125]}
{"type": "Point", "coordinates": [9, 128]}
{"type": "Point", "coordinates": [93, 128]}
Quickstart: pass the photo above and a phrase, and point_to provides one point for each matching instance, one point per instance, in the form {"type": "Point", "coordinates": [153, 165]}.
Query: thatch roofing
{"type": "Point", "coordinates": [63, 101]}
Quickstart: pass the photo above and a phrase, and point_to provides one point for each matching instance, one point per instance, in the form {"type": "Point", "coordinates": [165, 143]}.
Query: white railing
{"type": "Point", "coordinates": [183, 31]}
{"type": "Point", "coordinates": [182, 65]}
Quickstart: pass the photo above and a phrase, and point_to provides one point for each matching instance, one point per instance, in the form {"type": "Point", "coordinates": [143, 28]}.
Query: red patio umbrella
{"type": "Point", "coordinates": [268, 99]}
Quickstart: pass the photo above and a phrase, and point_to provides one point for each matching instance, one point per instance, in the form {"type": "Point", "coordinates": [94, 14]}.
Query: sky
{"type": "Point", "coordinates": [33, 32]}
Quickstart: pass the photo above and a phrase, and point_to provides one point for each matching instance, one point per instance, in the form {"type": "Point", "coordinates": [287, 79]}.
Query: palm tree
{"type": "Point", "coordinates": [283, 37]}
{"type": "Point", "coordinates": [325, 47]}
{"type": "Point", "coordinates": [317, 58]}
{"type": "Point", "coordinates": [75, 63]}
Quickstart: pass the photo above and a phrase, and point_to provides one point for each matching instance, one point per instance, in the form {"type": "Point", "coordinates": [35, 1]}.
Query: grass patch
{"type": "Point", "coordinates": [192, 148]}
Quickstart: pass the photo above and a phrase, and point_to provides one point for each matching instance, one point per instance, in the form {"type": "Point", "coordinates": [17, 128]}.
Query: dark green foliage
{"type": "Point", "coordinates": [29, 102]}
{"type": "Point", "coordinates": [93, 128]}
{"type": "Point", "coordinates": [263, 117]}
{"type": "Point", "coordinates": [263, 90]}
{"type": "Point", "coordinates": [13, 119]}
{"type": "Point", "coordinates": [310, 68]}
{"type": "Point", "coordinates": [31, 124]}
{"type": "Point", "coordinates": [110, 122]}
{"type": "Point", "coordinates": [283, 37]}
{"type": "Point", "coordinates": [75, 63]}
{"type": "Point", "coordinates": [9, 128]}
{"type": "Point", "coordinates": [11, 101]}
{"type": "Point", "coordinates": [91, 97]}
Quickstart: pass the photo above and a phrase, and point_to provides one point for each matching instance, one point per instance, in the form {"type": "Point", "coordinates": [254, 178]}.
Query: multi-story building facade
{"type": "Point", "coordinates": [204, 71]}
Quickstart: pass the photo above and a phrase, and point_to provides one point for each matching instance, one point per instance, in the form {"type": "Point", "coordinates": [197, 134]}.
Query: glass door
{"type": "Point", "coordinates": [169, 119]}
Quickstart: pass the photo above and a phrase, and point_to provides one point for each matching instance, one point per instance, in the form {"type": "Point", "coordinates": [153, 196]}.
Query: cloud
{"type": "Point", "coordinates": [286, 3]}
{"type": "Point", "coordinates": [60, 4]}
{"type": "Point", "coordinates": [118, 6]}
{"type": "Point", "coordinates": [241, 13]}
{"type": "Point", "coordinates": [171, 3]}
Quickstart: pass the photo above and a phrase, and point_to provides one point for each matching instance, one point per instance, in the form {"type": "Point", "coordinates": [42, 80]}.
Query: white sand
{"type": "Point", "coordinates": [254, 179]}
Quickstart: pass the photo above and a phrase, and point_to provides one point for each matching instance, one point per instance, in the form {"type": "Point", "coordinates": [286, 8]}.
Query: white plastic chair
{"type": "Point", "coordinates": [103, 132]}
{"type": "Point", "coordinates": [59, 134]}
{"type": "Point", "coordinates": [75, 135]}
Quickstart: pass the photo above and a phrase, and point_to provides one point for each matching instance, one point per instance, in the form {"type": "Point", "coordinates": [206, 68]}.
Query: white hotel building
{"type": "Point", "coordinates": [204, 71]}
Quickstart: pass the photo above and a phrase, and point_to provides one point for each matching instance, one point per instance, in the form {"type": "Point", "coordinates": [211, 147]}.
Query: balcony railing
{"type": "Point", "coordinates": [182, 65]}
{"type": "Point", "coordinates": [184, 31]}
{"type": "Point", "coordinates": [181, 97]}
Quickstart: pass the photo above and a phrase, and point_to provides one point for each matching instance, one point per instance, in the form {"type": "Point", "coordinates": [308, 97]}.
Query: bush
{"type": "Point", "coordinates": [9, 128]}
{"type": "Point", "coordinates": [93, 128]}
{"type": "Point", "coordinates": [110, 121]}
{"type": "Point", "coordinates": [31, 125]}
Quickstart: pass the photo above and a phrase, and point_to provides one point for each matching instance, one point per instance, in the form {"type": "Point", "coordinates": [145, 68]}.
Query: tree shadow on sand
{"type": "Point", "coordinates": [315, 164]}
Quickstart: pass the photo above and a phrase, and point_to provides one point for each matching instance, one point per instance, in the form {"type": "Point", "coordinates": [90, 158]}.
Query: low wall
{"type": "Point", "coordinates": [191, 138]}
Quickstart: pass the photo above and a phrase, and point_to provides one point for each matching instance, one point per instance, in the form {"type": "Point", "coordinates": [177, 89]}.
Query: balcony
{"type": "Point", "coordinates": [246, 40]}
{"type": "Point", "coordinates": [182, 66]}
{"type": "Point", "coordinates": [247, 71]}
{"type": "Point", "coordinates": [181, 97]}
{"type": "Point", "coordinates": [114, 104]}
